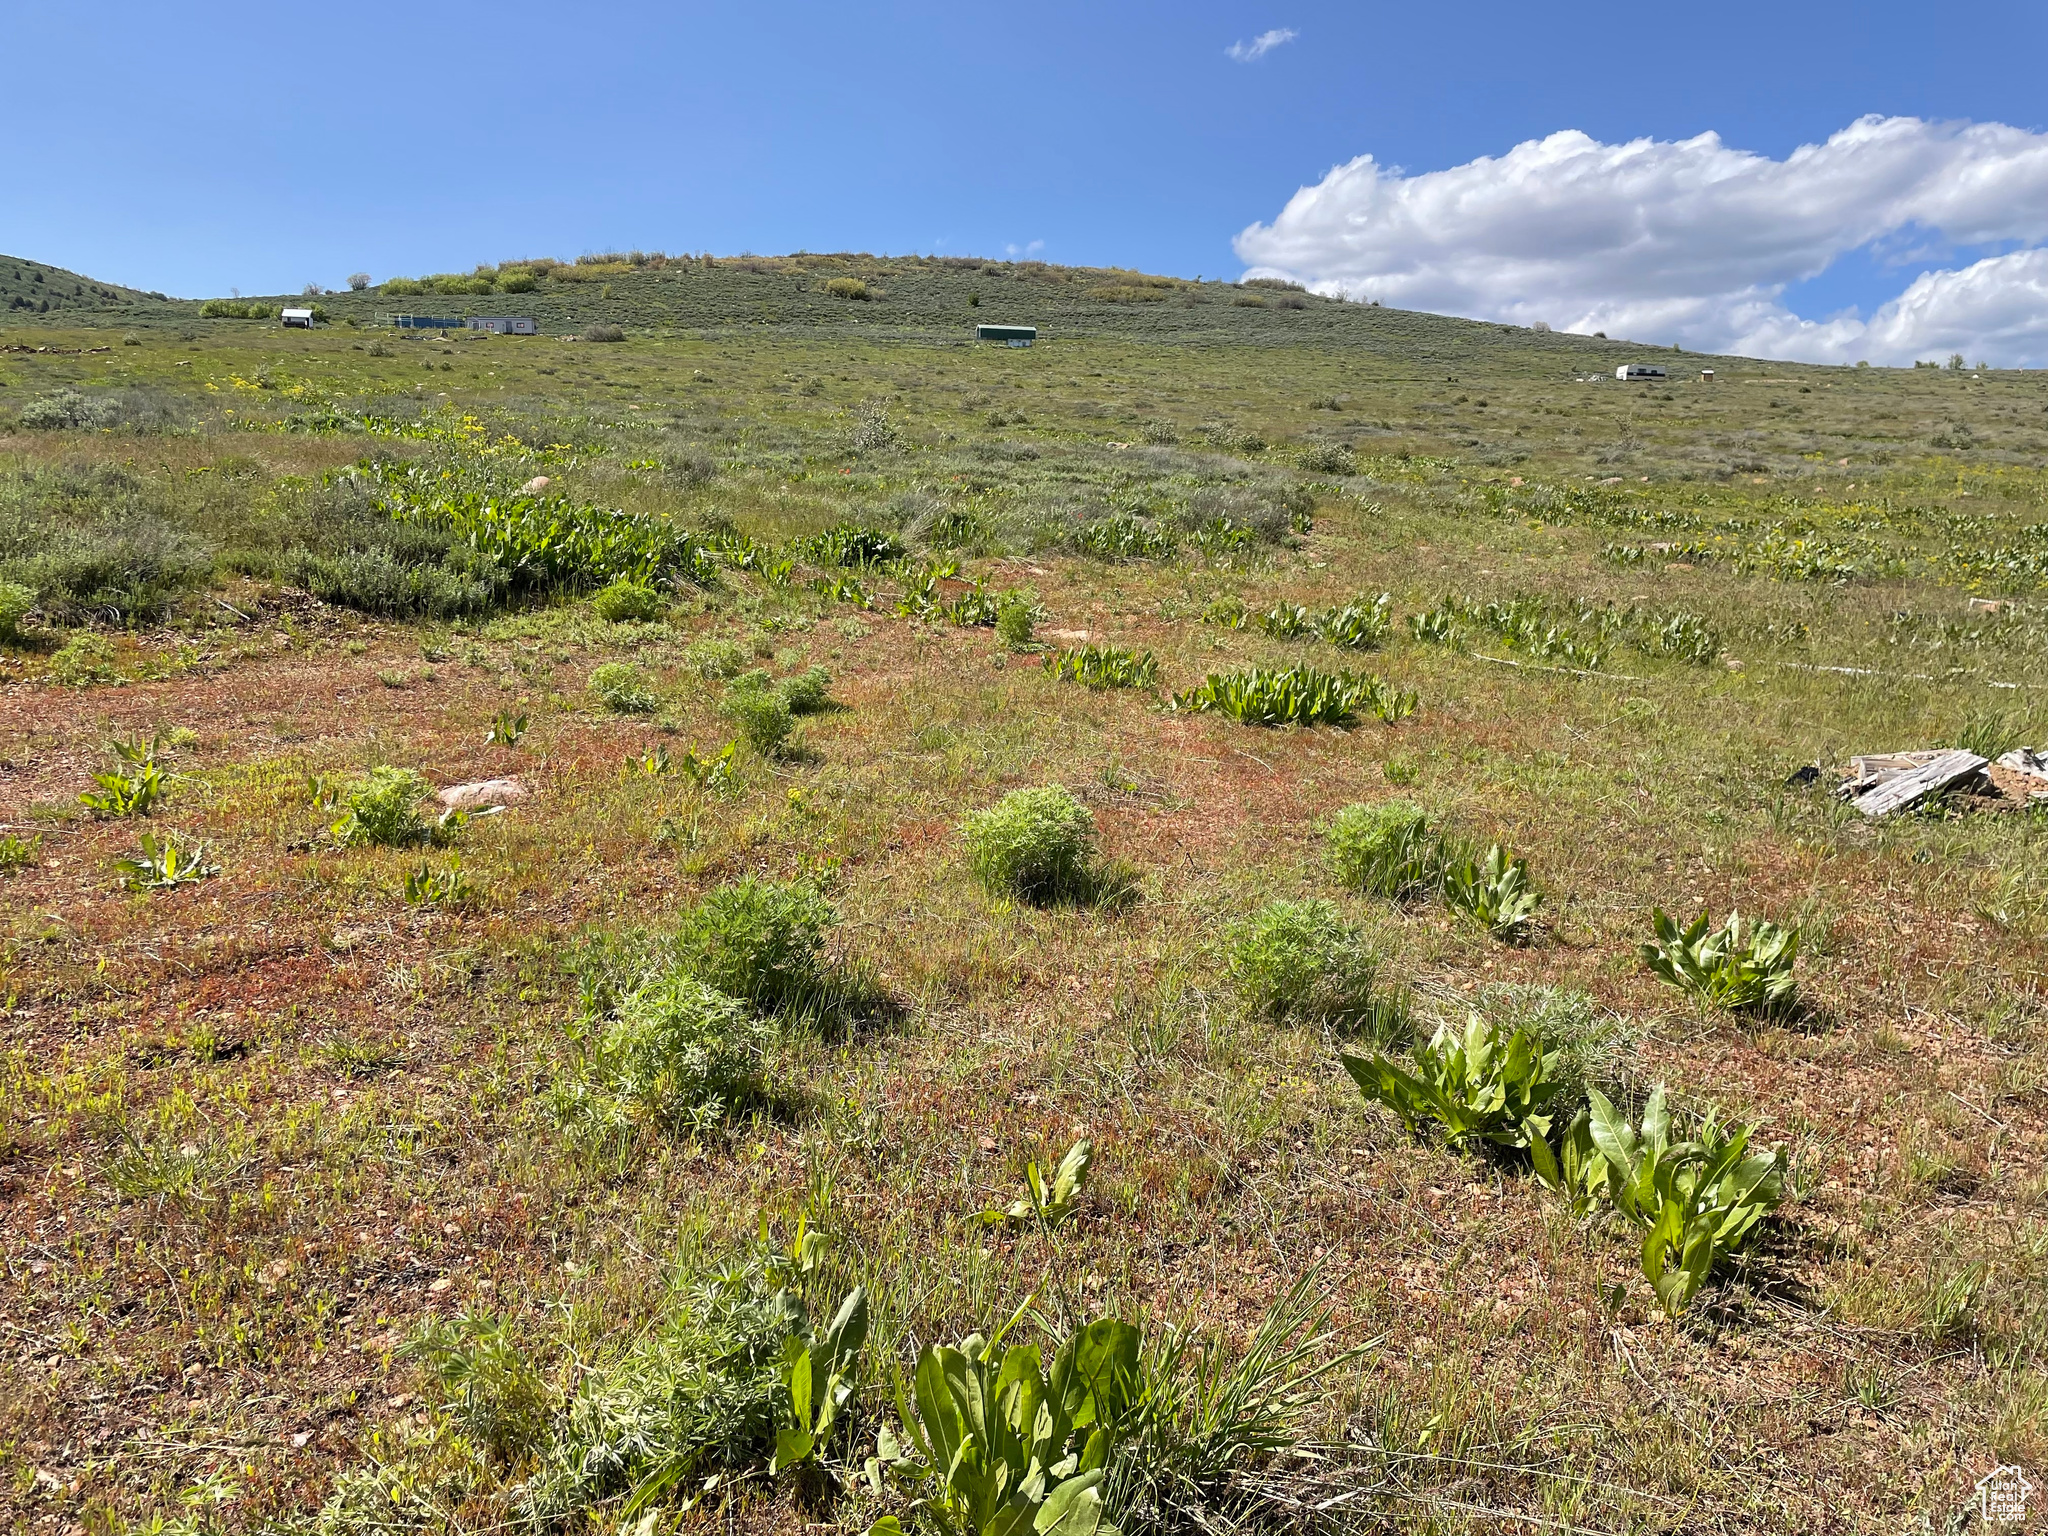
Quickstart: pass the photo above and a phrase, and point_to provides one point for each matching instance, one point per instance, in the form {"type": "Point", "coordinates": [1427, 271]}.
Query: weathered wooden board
{"type": "Point", "coordinates": [1898, 791]}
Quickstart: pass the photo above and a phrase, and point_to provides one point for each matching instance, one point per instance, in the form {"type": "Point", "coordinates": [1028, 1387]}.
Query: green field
{"type": "Point", "coordinates": [365, 1174]}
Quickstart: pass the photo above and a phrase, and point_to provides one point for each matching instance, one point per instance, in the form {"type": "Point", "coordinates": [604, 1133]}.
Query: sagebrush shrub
{"type": "Point", "coordinates": [847, 288]}
{"type": "Point", "coordinates": [68, 408]}
{"type": "Point", "coordinates": [762, 940]}
{"type": "Point", "coordinates": [603, 333]}
{"type": "Point", "coordinates": [1034, 844]}
{"type": "Point", "coordinates": [622, 689]}
{"type": "Point", "coordinates": [383, 809]}
{"type": "Point", "coordinates": [628, 601]}
{"type": "Point", "coordinates": [1385, 849]}
{"type": "Point", "coordinates": [1299, 962]}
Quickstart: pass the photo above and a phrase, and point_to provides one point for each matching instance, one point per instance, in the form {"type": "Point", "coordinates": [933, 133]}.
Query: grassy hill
{"type": "Point", "coordinates": [374, 1172]}
{"type": "Point", "coordinates": [29, 288]}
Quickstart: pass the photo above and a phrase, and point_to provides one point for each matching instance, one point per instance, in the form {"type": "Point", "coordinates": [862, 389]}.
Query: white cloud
{"type": "Point", "coordinates": [1260, 46]}
{"type": "Point", "coordinates": [1031, 248]}
{"type": "Point", "coordinates": [1695, 242]}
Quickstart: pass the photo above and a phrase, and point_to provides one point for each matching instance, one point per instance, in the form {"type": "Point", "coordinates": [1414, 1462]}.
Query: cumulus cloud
{"type": "Point", "coordinates": [1696, 242]}
{"type": "Point", "coordinates": [1260, 46]}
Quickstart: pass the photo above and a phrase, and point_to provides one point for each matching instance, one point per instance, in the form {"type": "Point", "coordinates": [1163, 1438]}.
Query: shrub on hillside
{"type": "Point", "coordinates": [629, 601]}
{"type": "Point", "coordinates": [1299, 962]}
{"type": "Point", "coordinates": [715, 659]}
{"type": "Point", "coordinates": [682, 1050]}
{"type": "Point", "coordinates": [761, 940]}
{"type": "Point", "coordinates": [603, 333]}
{"type": "Point", "coordinates": [848, 288]}
{"type": "Point", "coordinates": [622, 688]}
{"type": "Point", "coordinates": [517, 280]}
{"type": "Point", "coordinates": [67, 408]}
{"type": "Point", "coordinates": [382, 808]}
{"type": "Point", "coordinates": [763, 715]}
{"type": "Point", "coordinates": [16, 603]}
{"type": "Point", "coordinates": [1034, 844]}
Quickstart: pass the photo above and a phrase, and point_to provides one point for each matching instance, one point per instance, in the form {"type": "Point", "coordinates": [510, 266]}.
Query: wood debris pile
{"type": "Point", "coordinates": [1884, 783]}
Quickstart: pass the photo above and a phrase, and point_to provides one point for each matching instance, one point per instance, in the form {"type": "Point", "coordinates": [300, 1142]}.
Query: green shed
{"type": "Point", "coordinates": [1009, 335]}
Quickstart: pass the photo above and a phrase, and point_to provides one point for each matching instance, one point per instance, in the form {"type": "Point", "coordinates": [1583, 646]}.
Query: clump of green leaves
{"type": "Point", "coordinates": [18, 852]}
{"type": "Point", "coordinates": [137, 783]}
{"type": "Point", "coordinates": [1299, 962]}
{"type": "Point", "coordinates": [820, 1375]}
{"type": "Point", "coordinates": [718, 773]}
{"type": "Point", "coordinates": [996, 1443]}
{"type": "Point", "coordinates": [1358, 626]}
{"type": "Point", "coordinates": [1697, 1200]}
{"type": "Point", "coordinates": [622, 688]}
{"type": "Point", "coordinates": [507, 727]}
{"type": "Point", "coordinates": [1385, 850]}
{"type": "Point", "coordinates": [382, 809]}
{"type": "Point", "coordinates": [1287, 621]}
{"type": "Point", "coordinates": [425, 886]}
{"type": "Point", "coordinates": [808, 692]}
{"type": "Point", "coordinates": [1436, 626]}
{"type": "Point", "coordinates": [17, 602]}
{"type": "Point", "coordinates": [1495, 892]}
{"type": "Point", "coordinates": [1741, 966]}
{"type": "Point", "coordinates": [678, 1055]}
{"type": "Point", "coordinates": [84, 660]}
{"type": "Point", "coordinates": [1104, 666]}
{"type": "Point", "coordinates": [628, 601]}
{"type": "Point", "coordinates": [1037, 845]}
{"type": "Point", "coordinates": [1050, 1201]}
{"type": "Point", "coordinates": [164, 862]}
{"type": "Point", "coordinates": [1299, 695]}
{"type": "Point", "coordinates": [1014, 621]}
{"type": "Point", "coordinates": [1487, 1084]}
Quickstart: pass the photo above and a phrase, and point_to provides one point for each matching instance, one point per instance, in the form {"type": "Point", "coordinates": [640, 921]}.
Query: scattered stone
{"type": "Point", "coordinates": [484, 792]}
{"type": "Point", "coordinates": [536, 485]}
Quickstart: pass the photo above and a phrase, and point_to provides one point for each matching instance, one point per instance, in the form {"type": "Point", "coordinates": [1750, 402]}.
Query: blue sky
{"type": "Point", "coordinates": [198, 148]}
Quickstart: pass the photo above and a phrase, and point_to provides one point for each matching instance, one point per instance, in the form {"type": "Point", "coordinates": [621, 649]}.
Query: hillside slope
{"type": "Point", "coordinates": [40, 289]}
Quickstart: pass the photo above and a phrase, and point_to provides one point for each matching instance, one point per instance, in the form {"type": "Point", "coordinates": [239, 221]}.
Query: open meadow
{"type": "Point", "coordinates": [365, 1169]}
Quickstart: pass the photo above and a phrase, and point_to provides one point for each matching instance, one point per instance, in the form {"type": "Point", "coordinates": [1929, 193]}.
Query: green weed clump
{"type": "Point", "coordinates": [761, 712]}
{"type": "Point", "coordinates": [760, 940]}
{"type": "Point", "coordinates": [382, 810]}
{"type": "Point", "coordinates": [626, 601]}
{"type": "Point", "coordinates": [83, 661]}
{"type": "Point", "coordinates": [1299, 962]}
{"type": "Point", "coordinates": [808, 692]}
{"type": "Point", "coordinates": [1741, 966]}
{"type": "Point", "coordinates": [1104, 666]}
{"type": "Point", "coordinates": [1385, 850]}
{"type": "Point", "coordinates": [1495, 892]}
{"type": "Point", "coordinates": [17, 602]}
{"type": "Point", "coordinates": [683, 1052]}
{"type": "Point", "coordinates": [1037, 845]}
{"type": "Point", "coordinates": [1697, 1199]}
{"type": "Point", "coordinates": [1014, 622]}
{"type": "Point", "coordinates": [1299, 695]}
{"type": "Point", "coordinates": [714, 659]}
{"type": "Point", "coordinates": [18, 852]}
{"type": "Point", "coordinates": [1358, 626]}
{"type": "Point", "coordinates": [135, 786]}
{"type": "Point", "coordinates": [622, 688]}
{"type": "Point", "coordinates": [163, 863]}
{"type": "Point", "coordinates": [1489, 1084]}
